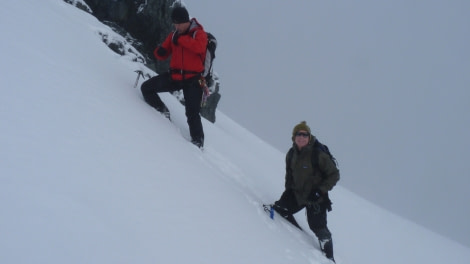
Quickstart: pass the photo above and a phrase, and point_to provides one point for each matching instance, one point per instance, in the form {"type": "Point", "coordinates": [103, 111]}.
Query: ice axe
{"type": "Point", "coordinates": [139, 73]}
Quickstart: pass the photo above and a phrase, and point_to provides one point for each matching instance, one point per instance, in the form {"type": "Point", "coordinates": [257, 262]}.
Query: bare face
{"type": "Point", "coordinates": [302, 138]}
{"type": "Point", "coordinates": [182, 27]}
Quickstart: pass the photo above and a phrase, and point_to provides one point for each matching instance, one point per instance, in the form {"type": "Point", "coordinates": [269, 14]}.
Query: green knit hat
{"type": "Point", "coordinates": [301, 126]}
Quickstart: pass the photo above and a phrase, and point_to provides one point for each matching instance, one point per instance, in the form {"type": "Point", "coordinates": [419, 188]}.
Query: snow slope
{"type": "Point", "coordinates": [388, 79]}
{"type": "Point", "coordinates": [91, 174]}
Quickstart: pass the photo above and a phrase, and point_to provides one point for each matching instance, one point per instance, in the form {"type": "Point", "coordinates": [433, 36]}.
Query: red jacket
{"type": "Point", "coordinates": [187, 58]}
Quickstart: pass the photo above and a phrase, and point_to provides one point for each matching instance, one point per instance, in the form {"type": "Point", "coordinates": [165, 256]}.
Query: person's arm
{"type": "Point", "coordinates": [163, 51]}
{"type": "Point", "coordinates": [197, 44]}
{"type": "Point", "coordinates": [329, 171]}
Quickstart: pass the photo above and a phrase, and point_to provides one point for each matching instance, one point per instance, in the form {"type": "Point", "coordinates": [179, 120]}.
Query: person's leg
{"type": "Point", "coordinates": [151, 87]}
{"type": "Point", "coordinates": [192, 99]}
{"type": "Point", "coordinates": [287, 206]}
{"type": "Point", "coordinates": [317, 221]}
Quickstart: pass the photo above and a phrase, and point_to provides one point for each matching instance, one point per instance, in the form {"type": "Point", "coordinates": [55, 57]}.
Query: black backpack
{"type": "Point", "coordinates": [319, 146]}
{"type": "Point", "coordinates": [210, 56]}
{"type": "Point", "coordinates": [324, 148]}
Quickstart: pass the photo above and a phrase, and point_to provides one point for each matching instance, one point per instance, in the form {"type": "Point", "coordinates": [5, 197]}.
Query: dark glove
{"type": "Point", "coordinates": [176, 36]}
{"type": "Point", "coordinates": [161, 51]}
{"type": "Point", "coordinates": [316, 196]}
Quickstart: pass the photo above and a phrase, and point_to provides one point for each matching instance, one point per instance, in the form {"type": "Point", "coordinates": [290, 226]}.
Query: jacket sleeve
{"type": "Point", "coordinates": [166, 45]}
{"type": "Point", "coordinates": [329, 171]}
{"type": "Point", "coordinates": [197, 44]}
{"type": "Point", "coordinates": [289, 177]}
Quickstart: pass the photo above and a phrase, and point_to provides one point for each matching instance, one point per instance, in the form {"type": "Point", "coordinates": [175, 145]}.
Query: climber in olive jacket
{"type": "Point", "coordinates": [303, 179]}
{"type": "Point", "coordinates": [310, 175]}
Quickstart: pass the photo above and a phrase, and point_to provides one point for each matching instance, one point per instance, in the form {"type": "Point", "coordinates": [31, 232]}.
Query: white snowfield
{"type": "Point", "coordinates": [91, 174]}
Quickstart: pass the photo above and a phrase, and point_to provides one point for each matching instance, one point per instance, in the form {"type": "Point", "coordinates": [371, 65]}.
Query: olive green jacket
{"type": "Point", "coordinates": [303, 176]}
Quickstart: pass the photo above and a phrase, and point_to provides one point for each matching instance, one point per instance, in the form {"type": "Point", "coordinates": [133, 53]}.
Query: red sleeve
{"type": "Point", "coordinates": [166, 45]}
{"type": "Point", "coordinates": [197, 44]}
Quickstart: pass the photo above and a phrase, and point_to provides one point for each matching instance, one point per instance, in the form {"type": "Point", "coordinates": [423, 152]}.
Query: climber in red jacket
{"type": "Point", "coordinates": [187, 48]}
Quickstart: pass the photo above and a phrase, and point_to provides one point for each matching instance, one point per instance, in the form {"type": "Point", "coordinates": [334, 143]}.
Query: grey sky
{"type": "Point", "coordinates": [383, 83]}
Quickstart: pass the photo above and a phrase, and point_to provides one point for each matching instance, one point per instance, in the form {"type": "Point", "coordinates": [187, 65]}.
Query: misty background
{"type": "Point", "coordinates": [383, 83]}
{"type": "Point", "coordinates": [91, 174]}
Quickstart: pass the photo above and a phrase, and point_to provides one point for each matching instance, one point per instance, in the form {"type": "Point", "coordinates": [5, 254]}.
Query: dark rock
{"type": "Point", "coordinates": [144, 24]}
{"type": "Point", "coordinates": [146, 20]}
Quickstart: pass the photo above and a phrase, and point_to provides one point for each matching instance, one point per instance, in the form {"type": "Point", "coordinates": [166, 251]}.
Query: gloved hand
{"type": "Point", "coordinates": [176, 36]}
{"type": "Point", "coordinates": [161, 51]}
{"type": "Point", "coordinates": [316, 196]}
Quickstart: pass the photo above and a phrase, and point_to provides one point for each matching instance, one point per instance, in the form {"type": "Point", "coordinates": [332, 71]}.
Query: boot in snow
{"type": "Point", "coordinates": [327, 248]}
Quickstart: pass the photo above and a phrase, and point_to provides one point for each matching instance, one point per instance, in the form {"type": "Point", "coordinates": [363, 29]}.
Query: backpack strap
{"type": "Point", "coordinates": [313, 157]}
{"type": "Point", "coordinates": [317, 146]}
{"type": "Point", "coordinates": [289, 178]}
{"type": "Point", "coordinates": [290, 155]}
{"type": "Point", "coordinates": [182, 72]}
{"type": "Point", "coordinates": [324, 148]}
{"type": "Point", "coordinates": [203, 59]}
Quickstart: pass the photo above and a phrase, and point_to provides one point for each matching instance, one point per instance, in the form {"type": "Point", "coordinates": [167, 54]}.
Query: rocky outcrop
{"type": "Point", "coordinates": [143, 24]}
{"type": "Point", "coordinates": [145, 20]}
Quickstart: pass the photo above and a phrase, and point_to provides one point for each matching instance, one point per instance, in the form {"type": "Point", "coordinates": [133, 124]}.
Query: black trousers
{"type": "Point", "coordinates": [287, 206]}
{"type": "Point", "coordinates": [192, 99]}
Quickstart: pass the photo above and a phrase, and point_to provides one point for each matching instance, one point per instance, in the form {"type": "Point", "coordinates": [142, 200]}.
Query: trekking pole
{"type": "Point", "coordinates": [139, 73]}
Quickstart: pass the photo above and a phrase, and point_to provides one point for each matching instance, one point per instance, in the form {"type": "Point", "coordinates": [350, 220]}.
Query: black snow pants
{"type": "Point", "coordinates": [287, 206]}
{"type": "Point", "coordinates": [192, 99]}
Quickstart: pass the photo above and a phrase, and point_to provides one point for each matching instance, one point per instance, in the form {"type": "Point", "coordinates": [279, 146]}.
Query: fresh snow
{"type": "Point", "coordinates": [91, 174]}
{"type": "Point", "coordinates": [384, 83]}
